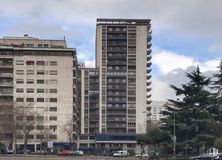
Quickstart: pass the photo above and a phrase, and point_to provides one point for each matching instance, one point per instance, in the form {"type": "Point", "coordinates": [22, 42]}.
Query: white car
{"type": "Point", "coordinates": [78, 153]}
{"type": "Point", "coordinates": [121, 154]}
{"type": "Point", "coordinates": [143, 155]}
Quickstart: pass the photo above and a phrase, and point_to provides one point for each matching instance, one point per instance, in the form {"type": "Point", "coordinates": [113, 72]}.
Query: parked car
{"type": "Point", "coordinates": [141, 155]}
{"type": "Point", "coordinates": [207, 157]}
{"type": "Point", "coordinates": [10, 151]}
{"type": "Point", "coordinates": [64, 152]}
{"type": "Point", "coordinates": [78, 153]}
{"type": "Point", "coordinates": [24, 151]}
{"type": "Point", "coordinates": [123, 153]}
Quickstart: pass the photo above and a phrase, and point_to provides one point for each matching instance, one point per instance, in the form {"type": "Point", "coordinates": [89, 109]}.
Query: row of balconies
{"type": "Point", "coordinates": [6, 74]}
{"type": "Point", "coordinates": [116, 113]}
{"type": "Point", "coordinates": [6, 84]}
{"type": "Point", "coordinates": [6, 65]}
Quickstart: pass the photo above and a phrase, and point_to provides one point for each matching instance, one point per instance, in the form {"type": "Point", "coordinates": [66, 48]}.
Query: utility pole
{"type": "Point", "coordinates": [174, 135]}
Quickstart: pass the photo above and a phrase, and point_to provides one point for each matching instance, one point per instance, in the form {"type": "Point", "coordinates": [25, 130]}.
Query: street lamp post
{"type": "Point", "coordinates": [174, 135]}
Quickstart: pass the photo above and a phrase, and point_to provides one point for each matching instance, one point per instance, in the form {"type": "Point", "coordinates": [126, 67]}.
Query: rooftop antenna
{"type": "Point", "coordinates": [64, 38]}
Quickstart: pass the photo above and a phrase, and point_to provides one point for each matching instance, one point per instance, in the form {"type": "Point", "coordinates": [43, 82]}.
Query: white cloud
{"type": "Point", "coordinates": [160, 90]}
{"type": "Point", "coordinates": [167, 61]}
{"type": "Point", "coordinates": [90, 64]}
{"type": "Point", "coordinates": [173, 68]}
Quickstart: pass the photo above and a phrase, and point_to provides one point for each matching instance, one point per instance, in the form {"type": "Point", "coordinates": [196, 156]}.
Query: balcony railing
{"type": "Point", "coordinates": [6, 66]}
{"type": "Point", "coordinates": [6, 74]}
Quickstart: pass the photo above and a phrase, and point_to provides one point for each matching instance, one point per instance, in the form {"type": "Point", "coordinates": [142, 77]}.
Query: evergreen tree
{"type": "Point", "coordinates": [217, 87]}
{"type": "Point", "coordinates": [194, 123]}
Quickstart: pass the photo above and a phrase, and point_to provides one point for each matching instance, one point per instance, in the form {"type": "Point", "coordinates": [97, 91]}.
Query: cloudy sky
{"type": "Point", "coordinates": [186, 33]}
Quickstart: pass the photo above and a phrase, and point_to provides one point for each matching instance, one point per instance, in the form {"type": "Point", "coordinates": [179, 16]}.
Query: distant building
{"type": "Point", "coordinates": [89, 107]}
{"type": "Point", "coordinates": [156, 110]}
{"type": "Point", "coordinates": [41, 72]}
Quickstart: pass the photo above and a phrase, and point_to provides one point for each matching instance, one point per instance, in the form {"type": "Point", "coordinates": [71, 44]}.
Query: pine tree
{"type": "Point", "coordinates": [195, 126]}
{"type": "Point", "coordinates": [217, 87]}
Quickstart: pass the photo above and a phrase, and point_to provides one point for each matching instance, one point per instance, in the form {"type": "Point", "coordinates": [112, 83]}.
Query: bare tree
{"type": "Point", "coordinates": [68, 130]}
{"type": "Point", "coordinates": [25, 120]}
{"type": "Point", "coordinates": [43, 130]}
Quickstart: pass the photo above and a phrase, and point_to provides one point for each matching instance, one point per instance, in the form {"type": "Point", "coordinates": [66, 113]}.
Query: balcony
{"type": "Point", "coordinates": [116, 126]}
{"type": "Point", "coordinates": [116, 113]}
{"type": "Point", "coordinates": [2, 84]}
{"type": "Point", "coordinates": [149, 51]}
{"type": "Point", "coordinates": [116, 101]}
{"type": "Point", "coordinates": [148, 96]}
{"type": "Point", "coordinates": [117, 37]}
{"type": "Point", "coordinates": [148, 89]}
{"type": "Point", "coordinates": [149, 64]}
{"type": "Point", "coordinates": [6, 74]}
{"type": "Point", "coordinates": [149, 58]}
{"type": "Point", "coordinates": [117, 57]}
{"type": "Point", "coordinates": [116, 43]}
{"type": "Point", "coordinates": [148, 70]}
{"type": "Point", "coordinates": [6, 66]}
{"type": "Point", "coordinates": [148, 77]}
{"type": "Point", "coordinates": [148, 102]}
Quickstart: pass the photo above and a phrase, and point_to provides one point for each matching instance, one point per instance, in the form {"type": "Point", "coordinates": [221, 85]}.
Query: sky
{"type": "Point", "coordinates": [185, 33]}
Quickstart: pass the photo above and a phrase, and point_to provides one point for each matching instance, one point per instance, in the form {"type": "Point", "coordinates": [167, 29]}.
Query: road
{"type": "Point", "coordinates": [62, 158]}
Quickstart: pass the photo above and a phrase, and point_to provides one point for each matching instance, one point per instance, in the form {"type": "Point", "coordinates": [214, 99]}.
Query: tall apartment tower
{"type": "Point", "coordinates": [41, 73]}
{"type": "Point", "coordinates": [123, 58]}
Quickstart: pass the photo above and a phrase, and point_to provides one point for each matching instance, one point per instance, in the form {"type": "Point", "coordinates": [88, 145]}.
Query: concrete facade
{"type": "Point", "coordinates": [123, 58]}
{"type": "Point", "coordinates": [44, 79]}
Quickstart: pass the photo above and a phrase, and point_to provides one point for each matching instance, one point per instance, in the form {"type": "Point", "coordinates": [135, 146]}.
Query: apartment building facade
{"type": "Point", "coordinates": [123, 57]}
{"type": "Point", "coordinates": [89, 107]}
{"type": "Point", "coordinates": [40, 74]}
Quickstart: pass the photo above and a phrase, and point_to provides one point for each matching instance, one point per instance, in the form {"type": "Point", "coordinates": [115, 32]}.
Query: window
{"type": "Point", "coordinates": [53, 99]}
{"type": "Point", "coordinates": [40, 118]}
{"type": "Point", "coordinates": [53, 127]}
{"type": "Point", "coordinates": [53, 63]}
{"type": "Point", "coordinates": [39, 136]}
{"type": "Point", "coordinates": [53, 118]}
{"type": "Point", "coordinates": [39, 127]}
{"type": "Point", "coordinates": [40, 45]}
{"type": "Point", "coordinates": [19, 81]}
{"type": "Point", "coordinates": [53, 81]}
{"type": "Point", "coordinates": [30, 118]}
{"type": "Point", "coordinates": [40, 81]}
{"type": "Point", "coordinates": [52, 136]}
{"type": "Point", "coordinates": [19, 136]}
{"type": "Point", "coordinates": [40, 99]}
{"type": "Point", "coordinates": [40, 90]}
{"type": "Point", "coordinates": [19, 90]}
{"type": "Point", "coordinates": [19, 72]}
{"type": "Point", "coordinates": [53, 109]}
{"type": "Point", "coordinates": [29, 90]}
{"type": "Point", "coordinates": [53, 72]}
{"type": "Point", "coordinates": [30, 45]}
{"type": "Point", "coordinates": [30, 72]}
{"type": "Point", "coordinates": [30, 81]}
{"type": "Point", "coordinates": [30, 136]}
{"type": "Point", "coordinates": [40, 72]}
{"type": "Point", "coordinates": [29, 99]}
{"type": "Point", "coordinates": [30, 62]}
{"type": "Point", "coordinates": [19, 99]}
{"type": "Point", "coordinates": [45, 45]}
{"type": "Point", "coordinates": [53, 90]}
{"type": "Point", "coordinates": [19, 62]}
{"type": "Point", "coordinates": [40, 63]}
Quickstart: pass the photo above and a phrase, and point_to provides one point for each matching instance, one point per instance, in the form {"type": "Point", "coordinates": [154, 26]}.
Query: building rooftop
{"type": "Point", "coordinates": [31, 42]}
{"type": "Point", "coordinates": [123, 21]}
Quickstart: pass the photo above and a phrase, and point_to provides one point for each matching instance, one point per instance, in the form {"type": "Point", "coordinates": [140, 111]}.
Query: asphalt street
{"type": "Point", "coordinates": [62, 158]}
